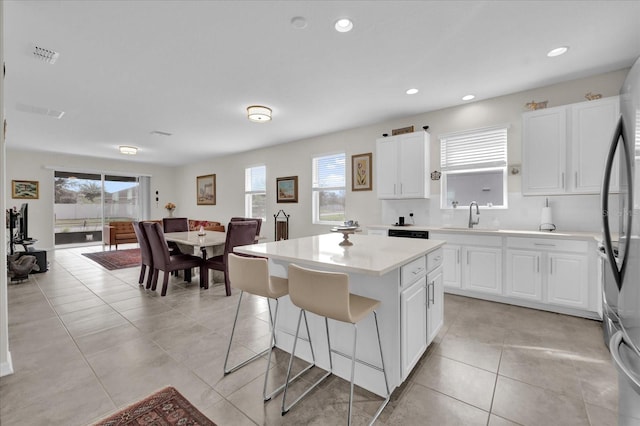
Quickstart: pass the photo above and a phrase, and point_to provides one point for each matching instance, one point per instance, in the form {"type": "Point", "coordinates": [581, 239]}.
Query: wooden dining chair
{"type": "Point", "coordinates": [163, 261]}
{"type": "Point", "coordinates": [239, 233]}
{"type": "Point", "coordinates": [146, 259]}
{"type": "Point", "coordinates": [244, 219]}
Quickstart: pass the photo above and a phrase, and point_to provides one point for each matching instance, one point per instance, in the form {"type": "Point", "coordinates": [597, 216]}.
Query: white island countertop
{"type": "Point", "coordinates": [369, 254]}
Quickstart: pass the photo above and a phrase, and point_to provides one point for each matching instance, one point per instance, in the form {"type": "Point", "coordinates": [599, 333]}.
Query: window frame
{"type": "Point", "coordinates": [475, 167]}
{"type": "Point", "coordinates": [315, 189]}
{"type": "Point", "coordinates": [249, 193]}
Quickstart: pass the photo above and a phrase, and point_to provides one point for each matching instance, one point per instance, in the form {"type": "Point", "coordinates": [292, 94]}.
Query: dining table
{"type": "Point", "coordinates": [209, 244]}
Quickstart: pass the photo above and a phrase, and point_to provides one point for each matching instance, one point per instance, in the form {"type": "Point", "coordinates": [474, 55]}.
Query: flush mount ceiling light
{"type": "Point", "coordinates": [258, 113]}
{"type": "Point", "coordinates": [344, 25]}
{"type": "Point", "coordinates": [468, 97]}
{"type": "Point", "coordinates": [128, 150]}
{"type": "Point", "coordinates": [557, 51]}
{"type": "Point", "coordinates": [412, 91]}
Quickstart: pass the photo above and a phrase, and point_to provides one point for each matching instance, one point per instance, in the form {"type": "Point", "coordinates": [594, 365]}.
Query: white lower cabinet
{"type": "Point", "coordinates": [524, 278]}
{"type": "Point", "coordinates": [435, 303]}
{"type": "Point", "coordinates": [548, 273]}
{"type": "Point", "coordinates": [451, 265]}
{"type": "Point", "coordinates": [568, 280]}
{"type": "Point", "coordinates": [482, 269]}
{"type": "Point", "coordinates": [413, 308]}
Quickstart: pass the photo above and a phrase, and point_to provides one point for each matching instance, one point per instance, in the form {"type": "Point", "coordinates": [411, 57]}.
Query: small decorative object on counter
{"type": "Point", "coordinates": [201, 231]}
{"type": "Point", "coordinates": [546, 222]}
{"type": "Point", "coordinates": [346, 230]}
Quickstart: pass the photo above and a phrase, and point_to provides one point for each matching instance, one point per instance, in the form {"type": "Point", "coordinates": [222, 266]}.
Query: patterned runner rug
{"type": "Point", "coordinates": [117, 259]}
{"type": "Point", "coordinates": [165, 407]}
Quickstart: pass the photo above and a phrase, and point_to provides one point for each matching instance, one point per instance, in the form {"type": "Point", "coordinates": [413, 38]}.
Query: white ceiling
{"type": "Point", "coordinates": [190, 68]}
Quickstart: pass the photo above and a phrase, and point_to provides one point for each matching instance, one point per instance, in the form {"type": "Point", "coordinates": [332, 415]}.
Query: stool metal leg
{"type": "Point", "coordinates": [286, 409]}
{"type": "Point", "coordinates": [384, 372]}
{"type": "Point", "coordinates": [353, 371]}
{"type": "Point", "coordinates": [253, 358]}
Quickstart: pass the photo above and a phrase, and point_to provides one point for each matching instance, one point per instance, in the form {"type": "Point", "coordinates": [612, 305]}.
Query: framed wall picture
{"type": "Point", "coordinates": [361, 172]}
{"type": "Point", "coordinates": [28, 189]}
{"type": "Point", "coordinates": [287, 189]}
{"type": "Point", "coordinates": [206, 190]}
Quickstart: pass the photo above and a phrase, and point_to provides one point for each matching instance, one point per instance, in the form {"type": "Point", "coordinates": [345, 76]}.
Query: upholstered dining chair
{"type": "Point", "coordinates": [244, 219]}
{"type": "Point", "coordinates": [146, 259]}
{"type": "Point", "coordinates": [163, 261]}
{"type": "Point", "coordinates": [175, 224]}
{"type": "Point", "coordinates": [239, 233]}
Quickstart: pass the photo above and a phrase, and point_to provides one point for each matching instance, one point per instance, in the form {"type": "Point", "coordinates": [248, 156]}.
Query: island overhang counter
{"type": "Point", "coordinates": [404, 274]}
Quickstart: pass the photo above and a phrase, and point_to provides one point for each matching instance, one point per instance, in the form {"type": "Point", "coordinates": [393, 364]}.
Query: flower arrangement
{"type": "Point", "coordinates": [170, 206]}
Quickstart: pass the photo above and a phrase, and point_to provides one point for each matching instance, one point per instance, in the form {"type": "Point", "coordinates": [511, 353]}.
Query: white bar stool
{"type": "Point", "coordinates": [251, 275]}
{"type": "Point", "coordinates": [327, 294]}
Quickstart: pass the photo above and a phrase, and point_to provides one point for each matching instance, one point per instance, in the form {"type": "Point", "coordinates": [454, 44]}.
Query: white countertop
{"type": "Point", "coordinates": [578, 235]}
{"type": "Point", "coordinates": [369, 254]}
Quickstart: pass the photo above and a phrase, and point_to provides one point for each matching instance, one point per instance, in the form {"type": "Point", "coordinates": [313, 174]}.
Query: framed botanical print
{"type": "Point", "coordinates": [28, 189]}
{"type": "Point", "coordinates": [361, 172]}
{"type": "Point", "coordinates": [206, 190]}
{"type": "Point", "coordinates": [287, 189]}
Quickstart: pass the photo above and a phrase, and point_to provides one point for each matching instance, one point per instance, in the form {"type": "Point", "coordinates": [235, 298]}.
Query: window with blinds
{"type": "Point", "coordinates": [255, 192]}
{"type": "Point", "coordinates": [329, 189]}
{"type": "Point", "coordinates": [474, 168]}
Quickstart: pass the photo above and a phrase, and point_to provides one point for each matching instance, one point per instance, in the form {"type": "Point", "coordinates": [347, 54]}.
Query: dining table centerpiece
{"type": "Point", "coordinates": [170, 208]}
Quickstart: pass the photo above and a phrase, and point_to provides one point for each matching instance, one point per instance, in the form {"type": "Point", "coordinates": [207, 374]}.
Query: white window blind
{"type": "Point", "coordinates": [255, 192]}
{"type": "Point", "coordinates": [481, 148]}
{"type": "Point", "coordinates": [255, 179]}
{"type": "Point", "coordinates": [329, 171]}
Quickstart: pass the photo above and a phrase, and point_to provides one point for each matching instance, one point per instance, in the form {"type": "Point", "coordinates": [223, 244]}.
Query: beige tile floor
{"type": "Point", "coordinates": [86, 341]}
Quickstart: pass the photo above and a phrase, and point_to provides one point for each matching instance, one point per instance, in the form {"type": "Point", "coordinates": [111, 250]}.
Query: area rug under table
{"type": "Point", "coordinates": [118, 259]}
{"type": "Point", "coordinates": [165, 407]}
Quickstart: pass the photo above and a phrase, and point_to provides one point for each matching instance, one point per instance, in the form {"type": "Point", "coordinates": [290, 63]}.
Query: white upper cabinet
{"type": "Point", "coordinates": [592, 128]}
{"type": "Point", "coordinates": [544, 136]}
{"type": "Point", "coordinates": [564, 148]}
{"type": "Point", "coordinates": [402, 164]}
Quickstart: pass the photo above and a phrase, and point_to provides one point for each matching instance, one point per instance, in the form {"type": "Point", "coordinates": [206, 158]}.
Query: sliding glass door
{"type": "Point", "coordinates": [85, 202]}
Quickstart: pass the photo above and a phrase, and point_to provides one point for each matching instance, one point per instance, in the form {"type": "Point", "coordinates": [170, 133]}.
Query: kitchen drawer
{"type": "Point", "coordinates": [434, 259]}
{"type": "Point", "coordinates": [547, 244]}
{"type": "Point", "coordinates": [413, 270]}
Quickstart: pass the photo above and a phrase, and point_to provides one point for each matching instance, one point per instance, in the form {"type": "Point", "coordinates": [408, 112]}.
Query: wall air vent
{"type": "Point", "coordinates": [45, 55]}
{"type": "Point", "coordinates": [160, 133]}
{"type": "Point", "coordinates": [39, 110]}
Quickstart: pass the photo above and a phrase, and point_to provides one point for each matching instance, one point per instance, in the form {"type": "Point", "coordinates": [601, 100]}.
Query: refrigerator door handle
{"type": "Point", "coordinates": [617, 340]}
{"type": "Point", "coordinates": [608, 245]}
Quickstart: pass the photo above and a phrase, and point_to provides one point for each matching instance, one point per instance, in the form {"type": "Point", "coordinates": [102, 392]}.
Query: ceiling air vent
{"type": "Point", "coordinates": [45, 55]}
{"type": "Point", "coordinates": [39, 110]}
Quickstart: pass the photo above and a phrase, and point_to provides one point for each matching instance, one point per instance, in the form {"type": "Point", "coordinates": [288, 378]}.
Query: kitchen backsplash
{"type": "Point", "coordinates": [570, 213]}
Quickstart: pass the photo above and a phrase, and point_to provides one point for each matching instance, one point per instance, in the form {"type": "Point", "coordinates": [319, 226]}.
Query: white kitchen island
{"type": "Point", "coordinates": [404, 274]}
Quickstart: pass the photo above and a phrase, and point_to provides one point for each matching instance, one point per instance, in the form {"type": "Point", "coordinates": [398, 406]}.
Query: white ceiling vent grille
{"type": "Point", "coordinates": [45, 55]}
{"type": "Point", "coordinates": [39, 110]}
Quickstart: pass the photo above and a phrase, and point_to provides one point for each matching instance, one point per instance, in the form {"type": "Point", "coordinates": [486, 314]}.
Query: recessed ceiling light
{"type": "Point", "coordinates": [344, 25]}
{"type": "Point", "coordinates": [128, 150]}
{"type": "Point", "coordinates": [468, 97]}
{"type": "Point", "coordinates": [259, 113]}
{"type": "Point", "coordinates": [557, 51]}
{"type": "Point", "coordinates": [412, 91]}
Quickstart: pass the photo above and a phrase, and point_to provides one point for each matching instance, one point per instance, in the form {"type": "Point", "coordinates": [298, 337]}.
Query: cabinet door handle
{"type": "Point", "coordinates": [394, 188]}
{"type": "Point", "coordinates": [432, 299]}
{"type": "Point", "coordinates": [550, 266]}
{"type": "Point", "coordinates": [576, 181]}
{"type": "Point", "coordinates": [467, 257]}
{"type": "Point", "coordinates": [400, 188]}
{"type": "Point", "coordinates": [538, 263]}
{"type": "Point", "coordinates": [458, 256]}
{"type": "Point", "coordinates": [418, 271]}
{"type": "Point", "coordinates": [563, 180]}
{"type": "Point", "coordinates": [544, 245]}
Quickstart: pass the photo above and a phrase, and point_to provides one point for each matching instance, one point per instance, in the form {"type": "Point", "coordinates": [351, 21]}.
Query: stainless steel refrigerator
{"type": "Point", "coordinates": [621, 249]}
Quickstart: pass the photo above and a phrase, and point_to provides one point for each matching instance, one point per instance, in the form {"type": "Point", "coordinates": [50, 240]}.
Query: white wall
{"type": "Point", "coordinates": [577, 212]}
{"type": "Point", "coordinates": [31, 165]}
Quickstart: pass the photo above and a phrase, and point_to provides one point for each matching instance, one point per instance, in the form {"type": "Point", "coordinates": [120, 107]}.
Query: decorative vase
{"type": "Point", "coordinates": [170, 211]}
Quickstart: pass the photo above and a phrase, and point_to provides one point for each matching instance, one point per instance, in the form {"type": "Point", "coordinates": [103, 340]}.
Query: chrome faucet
{"type": "Point", "coordinates": [471, 221]}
